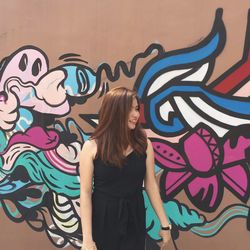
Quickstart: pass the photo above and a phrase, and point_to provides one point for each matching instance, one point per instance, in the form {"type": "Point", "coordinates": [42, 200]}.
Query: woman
{"type": "Point", "coordinates": [119, 157]}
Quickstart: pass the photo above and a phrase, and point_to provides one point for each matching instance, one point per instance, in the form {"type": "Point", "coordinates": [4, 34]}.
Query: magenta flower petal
{"type": "Point", "coordinates": [167, 156]}
{"type": "Point", "coordinates": [238, 152]}
{"type": "Point", "coordinates": [205, 193]}
{"type": "Point", "coordinates": [36, 136]}
{"type": "Point", "coordinates": [236, 178]}
{"type": "Point", "coordinates": [198, 151]}
{"type": "Point", "coordinates": [174, 181]}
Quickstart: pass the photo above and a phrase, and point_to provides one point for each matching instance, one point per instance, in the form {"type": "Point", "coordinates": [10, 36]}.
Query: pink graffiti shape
{"type": "Point", "coordinates": [204, 167]}
{"type": "Point", "coordinates": [36, 136]}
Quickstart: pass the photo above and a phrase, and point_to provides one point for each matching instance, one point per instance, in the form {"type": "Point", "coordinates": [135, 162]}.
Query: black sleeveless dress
{"type": "Point", "coordinates": [118, 211]}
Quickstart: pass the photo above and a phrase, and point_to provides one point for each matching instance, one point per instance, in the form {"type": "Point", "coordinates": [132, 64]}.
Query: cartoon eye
{"type": "Point", "coordinates": [23, 62]}
{"type": "Point", "coordinates": [83, 81]}
{"type": "Point", "coordinates": [36, 67]}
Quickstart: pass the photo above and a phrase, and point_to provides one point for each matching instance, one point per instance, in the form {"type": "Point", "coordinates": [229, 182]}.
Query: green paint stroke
{"type": "Point", "coordinates": [178, 215]}
{"type": "Point", "coordinates": [41, 171]}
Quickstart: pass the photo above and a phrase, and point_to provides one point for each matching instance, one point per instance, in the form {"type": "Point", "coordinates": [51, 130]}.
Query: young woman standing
{"type": "Point", "coordinates": [120, 158]}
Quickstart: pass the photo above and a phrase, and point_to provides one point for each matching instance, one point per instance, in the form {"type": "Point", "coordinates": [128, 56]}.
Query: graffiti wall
{"type": "Point", "coordinates": [190, 64]}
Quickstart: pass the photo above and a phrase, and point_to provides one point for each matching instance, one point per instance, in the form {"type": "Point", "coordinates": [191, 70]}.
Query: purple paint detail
{"type": "Point", "coordinates": [206, 164]}
{"type": "Point", "coordinates": [36, 136]}
{"type": "Point", "coordinates": [237, 153]}
{"type": "Point", "coordinates": [174, 180]}
{"type": "Point", "coordinates": [168, 156]}
{"type": "Point", "coordinates": [202, 188]}
{"type": "Point", "coordinates": [198, 153]}
{"type": "Point", "coordinates": [2, 98]}
{"type": "Point", "coordinates": [236, 177]}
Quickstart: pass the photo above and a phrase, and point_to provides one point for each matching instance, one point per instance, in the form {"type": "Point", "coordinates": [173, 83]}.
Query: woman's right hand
{"type": "Point", "coordinates": [90, 245]}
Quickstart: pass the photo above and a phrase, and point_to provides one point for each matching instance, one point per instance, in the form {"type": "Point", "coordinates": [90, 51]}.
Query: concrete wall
{"type": "Point", "coordinates": [188, 60]}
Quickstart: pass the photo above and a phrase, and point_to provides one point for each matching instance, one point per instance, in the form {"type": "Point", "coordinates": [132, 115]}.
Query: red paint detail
{"type": "Point", "coordinates": [142, 114]}
{"type": "Point", "coordinates": [235, 78]}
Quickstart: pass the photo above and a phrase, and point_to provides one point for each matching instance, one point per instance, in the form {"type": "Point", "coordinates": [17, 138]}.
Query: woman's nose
{"type": "Point", "coordinates": [136, 114]}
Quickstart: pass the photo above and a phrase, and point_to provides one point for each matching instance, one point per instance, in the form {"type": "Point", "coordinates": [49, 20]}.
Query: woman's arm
{"type": "Point", "coordinates": [152, 190]}
{"type": "Point", "coordinates": [151, 187]}
{"type": "Point", "coordinates": [86, 179]}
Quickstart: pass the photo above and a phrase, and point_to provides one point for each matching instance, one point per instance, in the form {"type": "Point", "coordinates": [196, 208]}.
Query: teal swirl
{"type": "Point", "coordinates": [213, 227]}
{"type": "Point", "coordinates": [41, 171]}
{"type": "Point", "coordinates": [3, 141]}
{"type": "Point", "coordinates": [178, 215]}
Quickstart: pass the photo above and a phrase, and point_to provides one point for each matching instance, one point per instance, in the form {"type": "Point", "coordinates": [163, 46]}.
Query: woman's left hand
{"type": "Point", "coordinates": [166, 237]}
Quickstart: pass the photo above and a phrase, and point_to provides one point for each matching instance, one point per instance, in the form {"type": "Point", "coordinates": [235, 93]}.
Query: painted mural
{"type": "Point", "coordinates": [200, 134]}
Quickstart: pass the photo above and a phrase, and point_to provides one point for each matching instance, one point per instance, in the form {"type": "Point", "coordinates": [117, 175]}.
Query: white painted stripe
{"type": "Point", "coordinates": [165, 109]}
{"type": "Point", "coordinates": [165, 78]}
{"type": "Point", "coordinates": [218, 115]}
{"type": "Point", "coordinates": [193, 119]}
{"type": "Point", "coordinates": [198, 75]}
{"type": "Point", "coordinates": [59, 165]}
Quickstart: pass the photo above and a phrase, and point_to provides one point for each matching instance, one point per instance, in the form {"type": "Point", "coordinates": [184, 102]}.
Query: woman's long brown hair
{"type": "Point", "coordinates": [112, 134]}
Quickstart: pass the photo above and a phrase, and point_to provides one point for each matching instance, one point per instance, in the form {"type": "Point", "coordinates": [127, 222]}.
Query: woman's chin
{"type": "Point", "coordinates": [131, 127]}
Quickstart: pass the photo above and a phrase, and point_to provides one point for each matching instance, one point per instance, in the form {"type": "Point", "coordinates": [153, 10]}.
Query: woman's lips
{"type": "Point", "coordinates": [133, 122]}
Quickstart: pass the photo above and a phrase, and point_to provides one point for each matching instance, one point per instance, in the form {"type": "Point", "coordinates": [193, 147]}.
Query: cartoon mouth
{"type": "Point", "coordinates": [23, 91]}
{"type": "Point", "coordinates": [27, 90]}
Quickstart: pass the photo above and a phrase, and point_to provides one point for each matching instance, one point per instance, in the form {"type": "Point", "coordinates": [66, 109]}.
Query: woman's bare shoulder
{"type": "Point", "coordinates": [90, 147]}
{"type": "Point", "coordinates": [91, 143]}
{"type": "Point", "coordinates": [149, 143]}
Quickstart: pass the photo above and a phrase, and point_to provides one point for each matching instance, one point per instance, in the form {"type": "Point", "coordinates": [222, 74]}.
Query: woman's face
{"type": "Point", "coordinates": [134, 114]}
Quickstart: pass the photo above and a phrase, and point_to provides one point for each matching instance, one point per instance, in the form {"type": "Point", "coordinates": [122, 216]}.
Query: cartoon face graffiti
{"type": "Point", "coordinates": [26, 84]}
